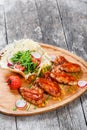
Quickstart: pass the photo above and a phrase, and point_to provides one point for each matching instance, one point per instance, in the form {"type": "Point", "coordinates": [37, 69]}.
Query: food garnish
{"type": "Point", "coordinates": [82, 83]}
{"type": "Point", "coordinates": [23, 61]}
{"type": "Point", "coordinates": [28, 107]}
{"type": "Point", "coordinates": [24, 57]}
{"type": "Point", "coordinates": [21, 104]}
{"type": "Point", "coordinates": [36, 55]}
{"type": "Point", "coordinates": [19, 67]}
{"type": "Point", "coordinates": [14, 82]}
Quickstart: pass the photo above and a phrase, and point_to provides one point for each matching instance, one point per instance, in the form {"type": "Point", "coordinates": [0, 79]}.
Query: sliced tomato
{"type": "Point", "coordinates": [19, 67]}
{"type": "Point", "coordinates": [36, 60]}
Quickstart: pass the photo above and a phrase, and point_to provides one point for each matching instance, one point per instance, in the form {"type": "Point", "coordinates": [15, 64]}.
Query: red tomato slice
{"type": "Point", "coordinates": [36, 60]}
{"type": "Point", "coordinates": [19, 67]}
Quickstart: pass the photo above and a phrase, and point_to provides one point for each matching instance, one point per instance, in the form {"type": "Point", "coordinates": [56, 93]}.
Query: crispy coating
{"type": "Point", "coordinates": [64, 78]}
{"type": "Point", "coordinates": [49, 86]}
{"type": "Point", "coordinates": [33, 95]}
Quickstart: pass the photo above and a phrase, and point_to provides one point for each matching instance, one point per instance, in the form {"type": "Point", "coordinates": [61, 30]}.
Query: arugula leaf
{"type": "Point", "coordinates": [24, 58]}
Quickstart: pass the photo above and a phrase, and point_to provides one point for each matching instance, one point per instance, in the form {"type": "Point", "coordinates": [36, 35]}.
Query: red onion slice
{"type": "Point", "coordinates": [36, 55]}
{"type": "Point", "coordinates": [53, 57]}
{"type": "Point", "coordinates": [9, 64]}
{"type": "Point", "coordinates": [20, 103]}
{"type": "Point", "coordinates": [82, 83]}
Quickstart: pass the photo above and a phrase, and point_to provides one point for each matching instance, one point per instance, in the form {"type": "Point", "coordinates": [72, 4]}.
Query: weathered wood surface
{"type": "Point", "coordinates": [50, 23]}
{"type": "Point", "coordinates": [6, 122]}
{"type": "Point", "coordinates": [2, 28]}
{"type": "Point", "coordinates": [58, 22]}
{"type": "Point", "coordinates": [74, 19]}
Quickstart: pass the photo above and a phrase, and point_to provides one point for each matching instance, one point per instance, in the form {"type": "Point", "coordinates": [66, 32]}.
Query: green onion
{"type": "Point", "coordinates": [28, 107]}
{"type": "Point", "coordinates": [30, 85]}
{"type": "Point", "coordinates": [14, 108]}
{"type": "Point", "coordinates": [46, 101]}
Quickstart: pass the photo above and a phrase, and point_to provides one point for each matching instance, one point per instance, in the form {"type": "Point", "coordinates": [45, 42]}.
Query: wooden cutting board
{"type": "Point", "coordinates": [8, 97]}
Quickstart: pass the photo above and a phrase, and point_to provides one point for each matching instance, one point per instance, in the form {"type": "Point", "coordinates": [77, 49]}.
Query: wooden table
{"type": "Point", "coordinates": [59, 22]}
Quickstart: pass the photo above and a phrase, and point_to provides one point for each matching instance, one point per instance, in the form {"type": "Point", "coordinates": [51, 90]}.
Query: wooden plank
{"type": "Point", "coordinates": [46, 121]}
{"type": "Point", "coordinates": [22, 20]}
{"type": "Point", "coordinates": [4, 120]}
{"type": "Point", "coordinates": [27, 25]}
{"type": "Point", "coordinates": [71, 117]}
{"type": "Point", "coordinates": [2, 28]}
{"type": "Point", "coordinates": [50, 23]}
{"type": "Point", "coordinates": [84, 105]}
{"type": "Point", "coordinates": [77, 117]}
{"type": "Point", "coordinates": [74, 18]}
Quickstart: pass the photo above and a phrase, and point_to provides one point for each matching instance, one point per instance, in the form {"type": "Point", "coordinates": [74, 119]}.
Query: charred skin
{"type": "Point", "coordinates": [33, 95]}
{"type": "Point", "coordinates": [60, 60]}
{"type": "Point", "coordinates": [61, 64]}
{"type": "Point", "coordinates": [63, 78]}
{"type": "Point", "coordinates": [70, 67]}
{"type": "Point", "coordinates": [49, 86]}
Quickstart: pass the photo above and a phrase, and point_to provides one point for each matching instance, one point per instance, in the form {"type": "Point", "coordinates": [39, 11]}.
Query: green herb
{"type": "Point", "coordinates": [44, 70]}
{"type": "Point", "coordinates": [70, 89]}
{"type": "Point", "coordinates": [77, 75]}
{"type": "Point", "coordinates": [46, 101]}
{"type": "Point", "coordinates": [30, 85]}
{"type": "Point", "coordinates": [21, 98]}
{"type": "Point", "coordinates": [14, 108]}
{"type": "Point", "coordinates": [24, 58]}
{"type": "Point", "coordinates": [48, 97]}
{"type": "Point", "coordinates": [28, 107]}
{"type": "Point", "coordinates": [35, 107]}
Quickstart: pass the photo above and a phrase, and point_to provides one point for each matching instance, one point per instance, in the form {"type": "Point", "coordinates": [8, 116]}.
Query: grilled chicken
{"type": "Point", "coordinates": [61, 64]}
{"type": "Point", "coordinates": [70, 67]}
{"type": "Point", "coordinates": [49, 86]}
{"type": "Point", "coordinates": [33, 95]}
{"type": "Point", "coordinates": [60, 73]}
{"type": "Point", "coordinates": [60, 60]}
{"type": "Point", "coordinates": [64, 78]}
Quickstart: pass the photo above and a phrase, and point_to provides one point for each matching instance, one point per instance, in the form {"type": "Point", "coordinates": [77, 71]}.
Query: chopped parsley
{"type": "Point", "coordinates": [14, 108]}
{"type": "Point", "coordinates": [24, 58]}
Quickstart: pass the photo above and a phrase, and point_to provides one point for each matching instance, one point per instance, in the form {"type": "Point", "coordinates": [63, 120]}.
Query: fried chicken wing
{"type": "Point", "coordinates": [49, 86]}
{"type": "Point", "coordinates": [70, 67]}
{"type": "Point", "coordinates": [63, 78]}
{"type": "Point", "coordinates": [33, 95]}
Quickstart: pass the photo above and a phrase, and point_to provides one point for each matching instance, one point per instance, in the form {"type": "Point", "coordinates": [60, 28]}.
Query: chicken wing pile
{"type": "Point", "coordinates": [62, 70]}
{"type": "Point", "coordinates": [60, 73]}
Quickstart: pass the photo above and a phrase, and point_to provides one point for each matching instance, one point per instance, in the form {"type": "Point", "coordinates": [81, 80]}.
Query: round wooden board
{"type": "Point", "coordinates": [9, 97]}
